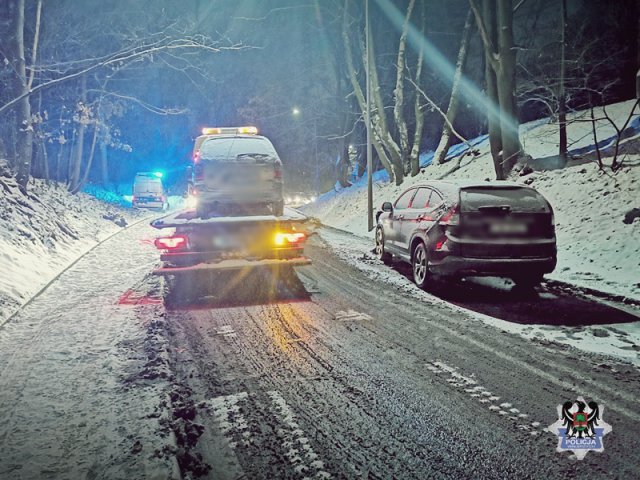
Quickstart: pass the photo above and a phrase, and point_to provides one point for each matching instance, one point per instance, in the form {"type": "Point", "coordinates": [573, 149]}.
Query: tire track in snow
{"type": "Point", "coordinates": [227, 411]}
{"type": "Point", "coordinates": [477, 392]}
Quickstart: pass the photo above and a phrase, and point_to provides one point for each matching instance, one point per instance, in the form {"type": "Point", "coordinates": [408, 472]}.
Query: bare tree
{"type": "Point", "coordinates": [24, 138]}
{"type": "Point", "coordinates": [495, 24]}
{"type": "Point", "coordinates": [452, 109]}
{"type": "Point", "coordinates": [397, 154]}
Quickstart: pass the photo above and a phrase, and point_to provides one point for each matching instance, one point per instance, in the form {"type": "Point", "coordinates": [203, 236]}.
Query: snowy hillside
{"type": "Point", "coordinates": [43, 230]}
{"type": "Point", "coordinates": [596, 248]}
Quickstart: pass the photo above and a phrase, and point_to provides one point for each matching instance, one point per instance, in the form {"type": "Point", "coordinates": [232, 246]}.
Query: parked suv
{"type": "Point", "coordinates": [236, 170]}
{"type": "Point", "coordinates": [469, 229]}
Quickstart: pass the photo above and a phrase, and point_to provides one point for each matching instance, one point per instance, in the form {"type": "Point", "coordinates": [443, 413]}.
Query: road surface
{"type": "Point", "coordinates": [327, 373]}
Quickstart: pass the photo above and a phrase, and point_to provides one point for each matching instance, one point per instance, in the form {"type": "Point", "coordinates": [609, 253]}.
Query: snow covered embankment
{"type": "Point", "coordinates": [42, 231]}
{"type": "Point", "coordinates": [596, 249]}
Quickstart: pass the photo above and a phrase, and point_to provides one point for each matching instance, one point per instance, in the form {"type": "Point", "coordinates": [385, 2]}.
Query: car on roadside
{"type": "Point", "coordinates": [236, 170]}
{"type": "Point", "coordinates": [460, 229]}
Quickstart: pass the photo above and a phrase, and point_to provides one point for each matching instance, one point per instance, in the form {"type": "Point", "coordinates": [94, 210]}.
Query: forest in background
{"type": "Point", "coordinates": [95, 91]}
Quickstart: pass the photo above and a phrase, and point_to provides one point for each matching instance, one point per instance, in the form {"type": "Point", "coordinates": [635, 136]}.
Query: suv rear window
{"type": "Point", "coordinates": [520, 199]}
{"type": "Point", "coordinates": [237, 149]}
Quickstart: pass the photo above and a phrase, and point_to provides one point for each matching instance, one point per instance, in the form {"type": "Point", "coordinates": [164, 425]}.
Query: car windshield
{"type": "Point", "coordinates": [237, 148]}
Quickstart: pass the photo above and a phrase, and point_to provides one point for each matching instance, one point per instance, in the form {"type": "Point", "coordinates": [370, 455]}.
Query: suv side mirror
{"type": "Point", "coordinates": [387, 207]}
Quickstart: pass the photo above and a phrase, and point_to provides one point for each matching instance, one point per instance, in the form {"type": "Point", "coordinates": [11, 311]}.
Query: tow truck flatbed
{"type": "Point", "coordinates": [233, 264]}
{"type": "Point", "coordinates": [187, 218]}
{"type": "Point", "coordinates": [223, 243]}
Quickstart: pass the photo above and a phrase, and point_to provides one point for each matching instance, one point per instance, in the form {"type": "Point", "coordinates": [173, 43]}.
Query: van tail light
{"type": "Point", "coordinates": [175, 242]}
{"type": "Point", "coordinates": [196, 156]}
{"type": "Point", "coordinates": [277, 171]}
{"type": "Point", "coordinates": [451, 217]}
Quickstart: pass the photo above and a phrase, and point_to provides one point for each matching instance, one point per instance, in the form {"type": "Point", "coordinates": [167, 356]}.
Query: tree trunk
{"type": "Point", "coordinates": [506, 82]}
{"type": "Point", "coordinates": [74, 181]}
{"type": "Point", "coordinates": [495, 133]}
{"type": "Point", "coordinates": [24, 138]}
{"type": "Point", "coordinates": [417, 107]}
{"type": "Point", "coordinates": [398, 107]}
{"type": "Point", "coordinates": [45, 159]}
{"type": "Point", "coordinates": [452, 110]}
{"type": "Point", "coordinates": [562, 107]}
{"type": "Point", "coordinates": [380, 121]}
{"type": "Point", "coordinates": [104, 164]}
{"type": "Point", "coordinates": [353, 78]}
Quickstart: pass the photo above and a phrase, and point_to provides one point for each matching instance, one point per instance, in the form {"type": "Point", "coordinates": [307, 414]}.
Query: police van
{"type": "Point", "coordinates": [148, 191]}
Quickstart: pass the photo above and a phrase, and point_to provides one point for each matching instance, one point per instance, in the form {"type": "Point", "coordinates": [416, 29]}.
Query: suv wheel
{"type": "Point", "coordinates": [380, 252]}
{"type": "Point", "coordinates": [420, 264]}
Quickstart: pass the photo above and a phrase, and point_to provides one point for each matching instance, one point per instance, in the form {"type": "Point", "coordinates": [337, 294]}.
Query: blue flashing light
{"type": "Point", "coordinates": [158, 174]}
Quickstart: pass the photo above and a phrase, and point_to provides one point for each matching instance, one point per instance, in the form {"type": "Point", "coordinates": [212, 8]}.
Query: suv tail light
{"type": "Point", "coordinates": [175, 242]}
{"type": "Point", "coordinates": [451, 217]}
{"type": "Point", "coordinates": [277, 171]}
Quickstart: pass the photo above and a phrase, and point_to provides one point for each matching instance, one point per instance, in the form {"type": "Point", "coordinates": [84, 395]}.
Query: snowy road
{"type": "Point", "coordinates": [79, 397]}
{"type": "Point", "coordinates": [357, 378]}
{"type": "Point", "coordinates": [338, 372]}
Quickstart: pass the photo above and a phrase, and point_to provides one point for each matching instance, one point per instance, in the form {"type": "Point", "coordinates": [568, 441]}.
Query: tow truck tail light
{"type": "Point", "coordinates": [284, 238]}
{"type": "Point", "coordinates": [175, 242]}
{"type": "Point", "coordinates": [451, 217]}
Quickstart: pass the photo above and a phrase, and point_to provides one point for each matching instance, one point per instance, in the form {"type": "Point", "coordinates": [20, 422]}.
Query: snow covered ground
{"type": "Point", "coordinates": [86, 387]}
{"type": "Point", "coordinates": [45, 229]}
{"type": "Point", "coordinates": [595, 248]}
{"type": "Point", "coordinates": [618, 340]}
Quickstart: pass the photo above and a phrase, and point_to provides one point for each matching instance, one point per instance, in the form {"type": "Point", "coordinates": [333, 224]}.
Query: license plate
{"type": "Point", "coordinates": [223, 242]}
{"type": "Point", "coordinates": [508, 227]}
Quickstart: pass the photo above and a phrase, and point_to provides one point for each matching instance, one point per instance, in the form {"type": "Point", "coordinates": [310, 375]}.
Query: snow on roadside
{"type": "Point", "coordinates": [595, 248]}
{"type": "Point", "coordinates": [45, 229]}
{"type": "Point", "coordinates": [86, 382]}
{"type": "Point", "coordinates": [357, 252]}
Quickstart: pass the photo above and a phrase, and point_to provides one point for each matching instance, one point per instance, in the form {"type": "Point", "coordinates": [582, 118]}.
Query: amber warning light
{"type": "Point", "coordinates": [229, 130]}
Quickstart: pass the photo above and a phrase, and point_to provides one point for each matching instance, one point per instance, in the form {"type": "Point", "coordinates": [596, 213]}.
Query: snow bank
{"type": "Point", "coordinates": [595, 248]}
{"type": "Point", "coordinates": [43, 230]}
{"type": "Point", "coordinates": [618, 341]}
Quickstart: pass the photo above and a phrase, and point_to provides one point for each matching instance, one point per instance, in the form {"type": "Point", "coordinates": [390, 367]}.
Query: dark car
{"type": "Point", "coordinates": [235, 168]}
{"type": "Point", "coordinates": [469, 229]}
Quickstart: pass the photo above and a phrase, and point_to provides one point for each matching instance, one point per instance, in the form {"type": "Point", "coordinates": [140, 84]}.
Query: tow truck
{"type": "Point", "coordinates": [232, 240]}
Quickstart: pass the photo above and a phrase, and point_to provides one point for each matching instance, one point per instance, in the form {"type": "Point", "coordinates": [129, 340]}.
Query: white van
{"type": "Point", "coordinates": [148, 191]}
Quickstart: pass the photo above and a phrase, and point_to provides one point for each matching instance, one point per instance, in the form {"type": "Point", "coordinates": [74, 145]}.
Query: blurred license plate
{"type": "Point", "coordinates": [224, 242]}
{"type": "Point", "coordinates": [508, 227]}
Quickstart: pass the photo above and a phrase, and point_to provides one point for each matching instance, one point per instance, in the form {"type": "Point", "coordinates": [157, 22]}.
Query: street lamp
{"type": "Point", "coordinates": [295, 111]}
